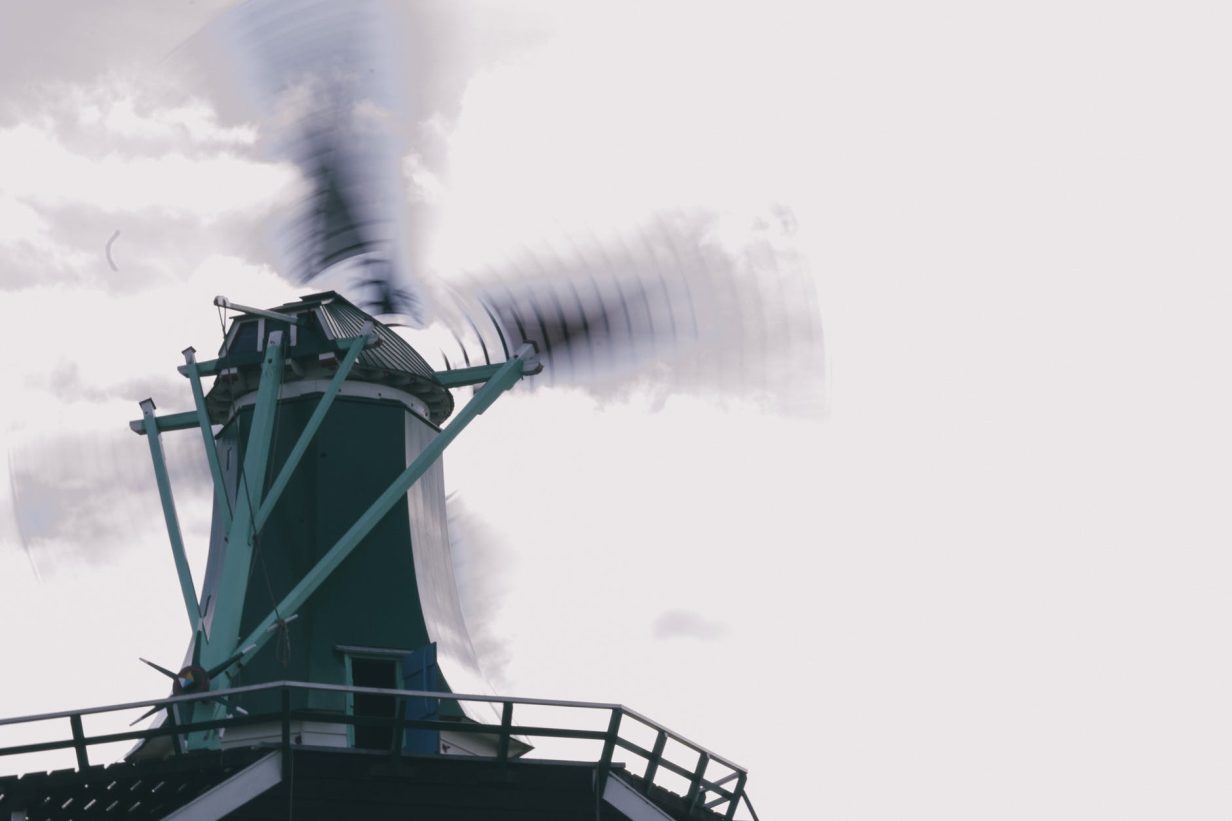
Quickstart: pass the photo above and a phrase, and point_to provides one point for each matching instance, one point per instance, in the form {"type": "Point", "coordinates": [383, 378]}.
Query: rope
{"type": "Point", "coordinates": [282, 650]}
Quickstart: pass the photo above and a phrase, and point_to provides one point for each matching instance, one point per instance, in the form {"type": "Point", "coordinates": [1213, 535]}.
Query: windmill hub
{"type": "Point", "coordinates": [191, 679]}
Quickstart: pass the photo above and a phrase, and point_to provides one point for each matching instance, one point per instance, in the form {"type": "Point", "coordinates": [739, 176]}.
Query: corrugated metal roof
{"type": "Point", "coordinates": [341, 320]}
{"type": "Point", "coordinates": [325, 318]}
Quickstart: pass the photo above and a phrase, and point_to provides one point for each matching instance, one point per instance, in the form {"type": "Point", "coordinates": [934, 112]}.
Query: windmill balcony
{"type": "Point", "coordinates": [623, 765]}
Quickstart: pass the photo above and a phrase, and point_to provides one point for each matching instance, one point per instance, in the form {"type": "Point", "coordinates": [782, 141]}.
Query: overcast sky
{"type": "Point", "coordinates": [988, 579]}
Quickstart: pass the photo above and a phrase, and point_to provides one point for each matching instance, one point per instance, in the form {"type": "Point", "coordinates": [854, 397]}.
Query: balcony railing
{"type": "Point", "coordinates": [713, 782]}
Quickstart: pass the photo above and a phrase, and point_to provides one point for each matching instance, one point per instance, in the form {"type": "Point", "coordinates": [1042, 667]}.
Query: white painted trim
{"type": "Point", "coordinates": [630, 802]}
{"type": "Point", "coordinates": [306, 733]}
{"type": "Point", "coordinates": [233, 793]}
{"type": "Point", "coordinates": [463, 743]}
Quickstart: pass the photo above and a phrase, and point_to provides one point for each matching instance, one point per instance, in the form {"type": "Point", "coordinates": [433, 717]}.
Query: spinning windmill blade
{"type": "Point", "coordinates": [323, 74]}
{"type": "Point", "coordinates": [339, 103]}
{"type": "Point", "coordinates": [345, 105]}
{"type": "Point", "coordinates": [342, 512]}
{"type": "Point", "coordinates": [666, 297]}
{"type": "Point", "coordinates": [63, 484]}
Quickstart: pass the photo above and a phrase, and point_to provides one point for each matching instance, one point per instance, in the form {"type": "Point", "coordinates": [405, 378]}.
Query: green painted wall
{"type": "Point", "coordinates": [371, 600]}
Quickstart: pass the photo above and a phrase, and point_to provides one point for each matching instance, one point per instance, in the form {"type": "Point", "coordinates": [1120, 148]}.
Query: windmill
{"type": "Point", "coordinates": [323, 428]}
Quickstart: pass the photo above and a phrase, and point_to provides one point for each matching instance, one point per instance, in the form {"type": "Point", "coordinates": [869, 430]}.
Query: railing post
{"type": "Point", "coordinates": [609, 746]}
{"type": "Point", "coordinates": [173, 722]}
{"type": "Point", "coordinates": [502, 749]}
{"type": "Point", "coordinates": [695, 788]}
{"type": "Point", "coordinates": [652, 767]}
{"type": "Point", "coordinates": [79, 742]}
{"type": "Point", "coordinates": [749, 804]}
{"type": "Point", "coordinates": [737, 794]}
{"type": "Point", "coordinates": [395, 743]}
{"type": "Point", "coordinates": [286, 734]}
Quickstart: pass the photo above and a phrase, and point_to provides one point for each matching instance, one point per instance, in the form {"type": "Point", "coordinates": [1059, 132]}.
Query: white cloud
{"type": "Point", "coordinates": [88, 159]}
{"type": "Point", "coordinates": [37, 167]}
{"type": "Point", "coordinates": [19, 222]}
{"type": "Point", "coordinates": [104, 338]}
{"type": "Point", "coordinates": [425, 185]}
{"type": "Point", "coordinates": [613, 119]}
{"type": "Point", "coordinates": [65, 419]}
{"type": "Point", "coordinates": [118, 112]}
{"type": "Point", "coordinates": [29, 245]}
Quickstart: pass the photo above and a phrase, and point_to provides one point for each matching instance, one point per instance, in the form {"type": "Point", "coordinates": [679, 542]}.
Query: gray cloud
{"type": "Point", "coordinates": [682, 302]}
{"type": "Point", "coordinates": [66, 383]}
{"type": "Point", "coordinates": [144, 147]}
{"type": "Point", "coordinates": [481, 569]}
{"type": "Point", "coordinates": [686, 624]}
{"type": "Point", "coordinates": [69, 41]}
{"type": "Point", "coordinates": [152, 247]}
{"type": "Point", "coordinates": [81, 497]}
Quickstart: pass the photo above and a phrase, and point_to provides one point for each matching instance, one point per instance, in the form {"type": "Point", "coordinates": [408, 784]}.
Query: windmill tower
{"type": "Point", "coordinates": [330, 674]}
{"type": "Point", "coordinates": [329, 558]}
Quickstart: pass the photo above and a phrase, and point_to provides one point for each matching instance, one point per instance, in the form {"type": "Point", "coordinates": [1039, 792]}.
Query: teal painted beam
{"type": "Point", "coordinates": [506, 376]}
{"type": "Point", "coordinates": [173, 521]}
{"type": "Point", "coordinates": [170, 421]}
{"type": "Point", "coordinates": [233, 580]}
{"type": "Point", "coordinates": [310, 429]}
{"type": "Point", "coordinates": [460, 377]}
{"type": "Point", "coordinates": [207, 435]}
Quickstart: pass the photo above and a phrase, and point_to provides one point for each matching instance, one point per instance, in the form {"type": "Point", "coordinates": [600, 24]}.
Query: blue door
{"type": "Point", "coordinates": [419, 672]}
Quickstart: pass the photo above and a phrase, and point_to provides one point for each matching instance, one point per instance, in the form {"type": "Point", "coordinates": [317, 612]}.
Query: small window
{"type": "Point", "coordinates": [245, 338]}
{"type": "Point", "coordinates": [381, 673]}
